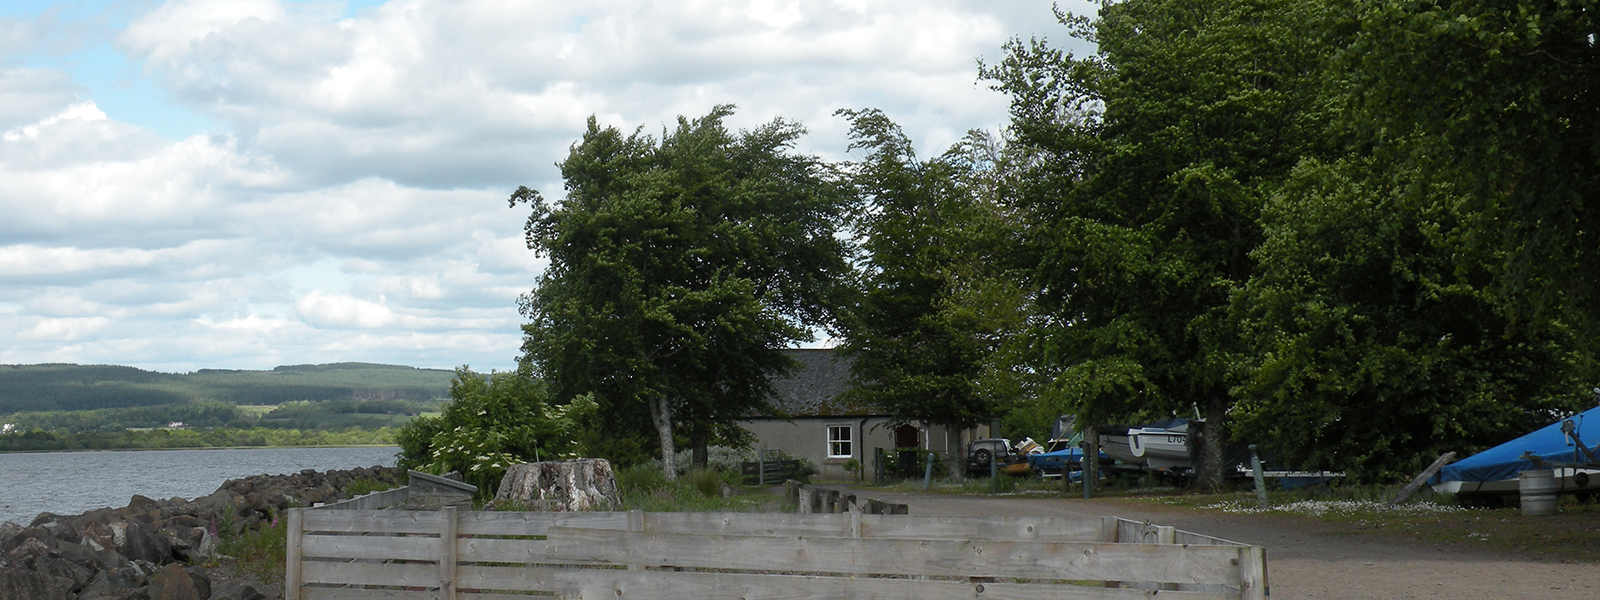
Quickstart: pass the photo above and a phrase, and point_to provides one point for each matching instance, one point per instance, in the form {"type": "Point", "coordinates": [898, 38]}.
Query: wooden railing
{"type": "Point", "coordinates": [465, 555]}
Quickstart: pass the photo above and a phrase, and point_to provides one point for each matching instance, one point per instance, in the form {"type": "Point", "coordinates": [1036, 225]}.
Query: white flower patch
{"type": "Point", "coordinates": [1319, 508]}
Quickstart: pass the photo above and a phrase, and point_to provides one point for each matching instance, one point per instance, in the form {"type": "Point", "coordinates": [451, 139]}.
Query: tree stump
{"type": "Point", "coordinates": [562, 485]}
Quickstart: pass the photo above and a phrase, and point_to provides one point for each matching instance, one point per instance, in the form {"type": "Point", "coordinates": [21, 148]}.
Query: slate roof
{"type": "Point", "coordinates": [814, 390]}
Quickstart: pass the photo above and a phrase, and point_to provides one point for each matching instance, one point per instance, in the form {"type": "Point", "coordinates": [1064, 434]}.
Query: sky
{"type": "Point", "coordinates": [250, 183]}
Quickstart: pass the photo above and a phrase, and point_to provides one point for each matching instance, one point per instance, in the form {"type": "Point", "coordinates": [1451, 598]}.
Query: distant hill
{"type": "Point", "coordinates": [66, 387]}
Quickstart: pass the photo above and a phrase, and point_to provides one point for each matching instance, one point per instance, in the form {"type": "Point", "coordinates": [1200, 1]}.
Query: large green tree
{"type": "Point", "coordinates": [680, 267]}
{"type": "Point", "coordinates": [1375, 348]}
{"type": "Point", "coordinates": [1493, 104]}
{"type": "Point", "coordinates": [1152, 158]}
{"type": "Point", "coordinates": [926, 335]}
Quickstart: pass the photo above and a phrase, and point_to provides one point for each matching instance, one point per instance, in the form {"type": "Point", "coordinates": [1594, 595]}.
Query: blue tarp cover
{"type": "Point", "coordinates": [1505, 461]}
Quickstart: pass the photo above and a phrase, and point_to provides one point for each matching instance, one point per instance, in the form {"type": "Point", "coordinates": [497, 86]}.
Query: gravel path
{"type": "Point", "coordinates": [1308, 559]}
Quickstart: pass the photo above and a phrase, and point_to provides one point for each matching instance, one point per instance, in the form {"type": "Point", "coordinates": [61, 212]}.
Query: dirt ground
{"type": "Point", "coordinates": [1309, 559]}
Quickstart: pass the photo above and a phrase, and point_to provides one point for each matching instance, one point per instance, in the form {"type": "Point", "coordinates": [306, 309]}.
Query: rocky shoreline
{"type": "Point", "coordinates": [151, 549]}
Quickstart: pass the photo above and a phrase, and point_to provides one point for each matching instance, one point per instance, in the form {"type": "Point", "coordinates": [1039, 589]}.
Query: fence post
{"type": "Point", "coordinates": [635, 524]}
{"type": "Point", "coordinates": [1253, 573]}
{"type": "Point", "coordinates": [855, 521]}
{"type": "Point", "coordinates": [447, 553]}
{"type": "Point", "coordinates": [1167, 535]}
{"type": "Point", "coordinates": [1110, 532]}
{"type": "Point", "coordinates": [804, 505]}
{"type": "Point", "coordinates": [291, 552]}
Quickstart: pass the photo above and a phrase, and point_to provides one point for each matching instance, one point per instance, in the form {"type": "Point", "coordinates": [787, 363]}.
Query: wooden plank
{"type": "Point", "coordinates": [447, 553]}
{"type": "Point", "coordinates": [372, 501]}
{"type": "Point", "coordinates": [360, 573]}
{"type": "Point", "coordinates": [341, 593]}
{"type": "Point", "coordinates": [1411, 488]}
{"type": "Point", "coordinates": [520, 578]}
{"type": "Point", "coordinates": [1055, 529]}
{"type": "Point", "coordinates": [591, 584]}
{"type": "Point", "coordinates": [491, 550]}
{"type": "Point", "coordinates": [1022, 529]}
{"type": "Point", "coordinates": [292, 575]}
{"type": "Point", "coordinates": [344, 593]}
{"type": "Point", "coordinates": [1025, 560]}
{"type": "Point", "coordinates": [371, 546]}
{"type": "Point", "coordinates": [373, 521]}
{"type": "Point", "coordinates": [749, 523]}
{"type": "Point", "coordinates": [535, 523]}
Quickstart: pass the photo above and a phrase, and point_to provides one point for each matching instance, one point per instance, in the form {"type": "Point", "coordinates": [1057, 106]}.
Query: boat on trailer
{"type": "Point", "coordinates": [1162, 445]}
{"type": "Point", "coordinates": [1490, 476]}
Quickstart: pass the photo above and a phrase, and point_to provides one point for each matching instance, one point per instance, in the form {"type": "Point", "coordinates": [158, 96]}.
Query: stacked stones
{"type": "Point", "coordinates": [142, 551]}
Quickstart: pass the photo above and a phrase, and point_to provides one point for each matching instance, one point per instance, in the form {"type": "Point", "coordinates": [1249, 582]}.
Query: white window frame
{"type": "Point", "coordinates": [848, 441]}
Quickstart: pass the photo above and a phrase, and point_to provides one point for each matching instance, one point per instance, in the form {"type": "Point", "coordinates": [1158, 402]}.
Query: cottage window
{"type": "Point", "coordinates": [840, 441]}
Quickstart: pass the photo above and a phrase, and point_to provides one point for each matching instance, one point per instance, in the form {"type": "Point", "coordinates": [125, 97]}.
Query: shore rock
{"type": "Point", "coordinates": [21, 583]}
{"type": "Point", "coordinates": [138, 552]}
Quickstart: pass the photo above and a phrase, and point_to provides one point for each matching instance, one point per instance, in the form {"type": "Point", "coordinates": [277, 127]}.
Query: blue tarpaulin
{"type": "Point", "coordinates": [1505, 461]}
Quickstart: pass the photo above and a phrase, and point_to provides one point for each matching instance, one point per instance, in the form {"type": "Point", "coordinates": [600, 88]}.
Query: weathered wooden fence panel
{"type": "Point", "coordinates": [667, 585]}
{"type": "Point", "coordinates": [942, 558]}
{"type": "Point", "coordinates": [410, 555]}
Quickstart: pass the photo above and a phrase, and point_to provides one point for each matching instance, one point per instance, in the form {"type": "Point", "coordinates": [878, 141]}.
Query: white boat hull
{"type": "Point", "coordinates": [1568, 481]}
{"type": "Point", "coordinates": [1160, 448]}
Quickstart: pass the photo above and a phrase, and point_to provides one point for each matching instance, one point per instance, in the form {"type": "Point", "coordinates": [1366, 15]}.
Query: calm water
{"type": "Point", "coordinates": [74, 482]}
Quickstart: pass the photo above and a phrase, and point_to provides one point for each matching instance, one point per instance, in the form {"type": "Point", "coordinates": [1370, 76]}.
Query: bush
{"type": "Point", "coordinates": [491, 423]}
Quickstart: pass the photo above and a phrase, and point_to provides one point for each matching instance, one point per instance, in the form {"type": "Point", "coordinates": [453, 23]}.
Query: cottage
{"type": "Point", "coordinates": [829, 431]}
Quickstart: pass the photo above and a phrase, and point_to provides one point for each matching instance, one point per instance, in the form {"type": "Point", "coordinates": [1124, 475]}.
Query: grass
{"type": "Point", "coordinates": [1569, 535]}
{"type": "Point", "coordinates": [257, 554]}
{"type": "Point", "coordinates": [646, 488]}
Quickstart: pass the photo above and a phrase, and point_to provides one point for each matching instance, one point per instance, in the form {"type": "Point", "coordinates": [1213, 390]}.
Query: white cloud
{"type": "Point", "coordinates": [353, 205]}
{"type": "Point", "coordinates": [472, 92]}
{"type": "Point", "coordinates": [339, 311]}
{"type": "Point", "coordinates": [65, 330]}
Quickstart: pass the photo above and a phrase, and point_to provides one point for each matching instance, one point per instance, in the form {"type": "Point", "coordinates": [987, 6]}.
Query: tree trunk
{"type": "Point", "coordinates": [698, 439]}
{"type": "Point", "coordinates": [582, 484]}
{"type": "Point", "coordinates": [1213, 445]}
{"type": "Point", "coordinates": [661, 415]}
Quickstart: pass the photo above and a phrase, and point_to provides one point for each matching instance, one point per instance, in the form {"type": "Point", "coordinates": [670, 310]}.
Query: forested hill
{"type": "Point", "coordinates": [65, 387]}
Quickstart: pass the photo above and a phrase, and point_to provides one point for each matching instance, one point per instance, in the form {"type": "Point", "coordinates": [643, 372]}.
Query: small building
{"type": "Point", "coordinates": [829, 431]}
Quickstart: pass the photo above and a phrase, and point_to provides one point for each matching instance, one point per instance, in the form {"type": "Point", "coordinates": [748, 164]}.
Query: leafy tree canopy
{"type": "Point", "coordinates": [1151, 161]}
{"type": "Point", "coordinates": [679, 270]}
{"type": "Point", "coordinates": [937, 305]}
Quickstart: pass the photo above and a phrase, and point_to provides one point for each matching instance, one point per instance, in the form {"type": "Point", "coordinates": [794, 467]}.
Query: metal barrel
{"type": "Point", "coordinates": [1538, 488]}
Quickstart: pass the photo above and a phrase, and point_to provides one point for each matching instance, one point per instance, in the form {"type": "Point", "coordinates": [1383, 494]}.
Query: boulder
{"type": "Point", "coordinates": [177, 583]}
{"type": "Point", "coordinates": [7, 531]}
{"type": "Point", "coordinates": [119, 584]}
{"type": "Point", "coordinates": [19, 583]}
{"type": "Point", "coordinates": [565, 485]}
{"type": "Point", "coordinates": [146, 545]}
{"type": "Point", "coordinates": [239, 590]}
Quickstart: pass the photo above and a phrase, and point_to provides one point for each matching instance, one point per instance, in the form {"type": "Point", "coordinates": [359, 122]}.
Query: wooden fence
{"type": "Point", "coordinates": [465, 555]}
{"type": "Point", "coordinates": [769, 472]}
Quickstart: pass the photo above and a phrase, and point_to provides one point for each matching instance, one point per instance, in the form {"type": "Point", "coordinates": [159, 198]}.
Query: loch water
{"type": "Point", "coordinates": [75, 482]}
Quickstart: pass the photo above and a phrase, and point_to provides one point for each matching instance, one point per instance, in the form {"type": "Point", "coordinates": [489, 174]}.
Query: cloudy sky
{"type": "Point", "coordinates": [247, 183]}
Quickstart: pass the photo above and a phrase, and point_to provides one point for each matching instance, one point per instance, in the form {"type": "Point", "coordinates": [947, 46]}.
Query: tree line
{"type": "Point", "coordinates": [1355, 232]}
{"type": "Point", "coordinates": [66, 387]}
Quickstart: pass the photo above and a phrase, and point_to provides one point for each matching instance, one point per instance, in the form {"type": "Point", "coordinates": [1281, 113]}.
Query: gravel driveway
{"type": "Point", "coordinates": [1308, 559]}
